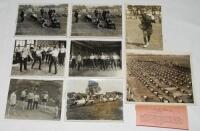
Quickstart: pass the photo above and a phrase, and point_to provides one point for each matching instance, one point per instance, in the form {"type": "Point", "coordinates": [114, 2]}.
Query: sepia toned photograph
{"type": "Point", "coordinates": [34, 99]}
{"type": "Point", "coordinates": [39, 58]}
{"type": "Point", "coordinates": [97, 21]}
{"type": "Point", "coordinates": [42, 20]}
{"type": "Point", "coordinates": [160, 78]}
{"type": "Point", "coordinates": [95, 58]}
{"type": "Point", "coordinates": [144, 27]}
{"type": "Point", "coordinates": [95, 100]}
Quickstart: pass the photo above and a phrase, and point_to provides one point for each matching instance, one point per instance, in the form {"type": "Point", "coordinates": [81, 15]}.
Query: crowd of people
{"type": "Point", "coordinates": [102, 18]}
{"type": "Point", "coordinates": [51, 55]}
{"type": "Point", "coordinates": [103, 61]}
{"type": "Point", "coordinates": [166, 83]}
{"type": "Point", "coordinates": [46, 18]}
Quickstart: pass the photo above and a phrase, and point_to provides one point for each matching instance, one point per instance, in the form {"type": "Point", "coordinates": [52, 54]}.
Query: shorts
{"type": "Point", "coordinates": [22, 98]}
{"type": "Point", "coordinates": [44, 100]}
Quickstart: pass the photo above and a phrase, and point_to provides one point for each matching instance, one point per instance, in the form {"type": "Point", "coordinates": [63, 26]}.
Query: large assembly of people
{"type": "Point", "coordinates": [164, 83]}
{"type": "Point", "coordinates": [48, 54]}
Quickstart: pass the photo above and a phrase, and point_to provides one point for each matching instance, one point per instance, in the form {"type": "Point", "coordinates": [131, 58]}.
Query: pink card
{"type": "Point", "coordinates": [165, 116]}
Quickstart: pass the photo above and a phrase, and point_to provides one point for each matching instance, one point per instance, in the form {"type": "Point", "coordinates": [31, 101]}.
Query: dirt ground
{"type": "Point", "coordinates": [85, 28]}
{"type": "Point", "coordinates": [36, 72]}
{"type": "Point", "coordinates": [107, 73]}
{"type": "Point", "coordinates": [99, 111]}
{"type": "Point", "coordinates": [38, 114]}
{"type": "Point", "coordinates": [31, 27]}
{"type": "Point", "coordinates": [134, 36]}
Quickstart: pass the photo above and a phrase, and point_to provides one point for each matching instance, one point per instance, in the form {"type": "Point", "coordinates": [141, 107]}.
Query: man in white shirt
{"type": "Point", "coordinates": [24, 57]}
{"type": "Point", "coordinates": [12, 103]}
{"type": "Point", "coordinates": [54, 59]}
{"type": "Point", "coordinates": [62, 55]}
{"type": "Point", "coordinates": [45, 99]}
{"type": "Point", "coordinates": [92, 63]}
{"type": "Point", "coordinates": [79, 60]}
{"type": "Point", "coordinates": [103, 61]}
{"type": "Point", "coordinates": [18, 53]}
{"type": "Point", "coordinates": [23, 98]}
{"type": "Point", "coordinates": [38, 57]}
{"type": "Point", "coordinates": [115, 60]}
{"type": "Point", "coordinates": [30, 100]}
{"type": "Point", "coordinates": [36, 101]}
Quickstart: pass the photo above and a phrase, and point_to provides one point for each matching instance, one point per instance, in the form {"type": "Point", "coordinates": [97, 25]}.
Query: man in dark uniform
{"type": "Point", "coordinates": [76, 16]}
{"type": "Point", "coordinates": [146, 26]}
{"type": "Point", "coordinates": [96, 13]}
{"type": "Point", "coordinates": [42, 12]}
{"type": "Point", "coordinates": [22, 15]}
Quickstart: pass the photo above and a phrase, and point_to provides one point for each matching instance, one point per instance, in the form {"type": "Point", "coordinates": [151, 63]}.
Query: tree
{"type": "Point", "coordinates": [93, 87]}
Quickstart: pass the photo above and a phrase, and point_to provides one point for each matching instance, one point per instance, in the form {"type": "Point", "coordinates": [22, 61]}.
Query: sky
{"type": "Point", "coordinates": [106, 85]}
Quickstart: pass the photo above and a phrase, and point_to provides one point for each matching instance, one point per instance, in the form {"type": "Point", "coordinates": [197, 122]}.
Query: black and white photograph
{"type": "Point", "coordinates": [144, 27]}
{"type": "Point", "coordinates": [97, 21]}
{"type": "Point", "coordinates": [45, 20]}
{"type": "Point", "coordinates": [39, 58]}
{"type": "Point", "coordinates": [95, 58]}
{"type": "Point", "coordinates": [95, 99]}
{"type": "Point", "coordinates": [159, 78]}
{"type": "Point", "coordinates": [34, 99]}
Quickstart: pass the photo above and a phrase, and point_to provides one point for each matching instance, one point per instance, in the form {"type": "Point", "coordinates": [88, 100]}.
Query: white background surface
{"type": "Point", "coordinates": [181, 32]}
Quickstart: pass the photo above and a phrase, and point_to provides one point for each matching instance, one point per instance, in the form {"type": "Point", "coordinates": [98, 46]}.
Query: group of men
{"type": "Point", "coordinates": [99, 17]}
{"type": "Point", "coordinates": [52, 55]}
{"type": "Point", "coordinates": [103, 61]}
{"type": "Point", "coordinates": [31, 97]}
{"type": "Point", "coordinates": [51, 20]}
{"type": "Point", "coordinates": [46, 19]}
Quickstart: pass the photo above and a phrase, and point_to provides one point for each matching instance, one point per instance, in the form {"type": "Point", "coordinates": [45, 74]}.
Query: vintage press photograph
{"type": "Point", "coordinates": [97, 21]}
{"type": "Point", "coordinates": [39, 58]}
{"type": "Point", "coordinates": [48, 20]}
{"type": "Point", "coordinates": [34, 99]}
{"type": "Point", "coordinates": [160, 78]}
{"type": "Point", "coordinates": [144, 27]}
{"type": "Point", "coordinates": [95, 99]}
{"type": "Point", "coordinates": [95, 58]}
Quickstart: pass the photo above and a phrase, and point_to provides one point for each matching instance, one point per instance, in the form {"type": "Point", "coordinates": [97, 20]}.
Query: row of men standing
{"type": "Point", "coordinates": [52, 55]}
{"type": "Point", "coordinates": [94, 61]}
